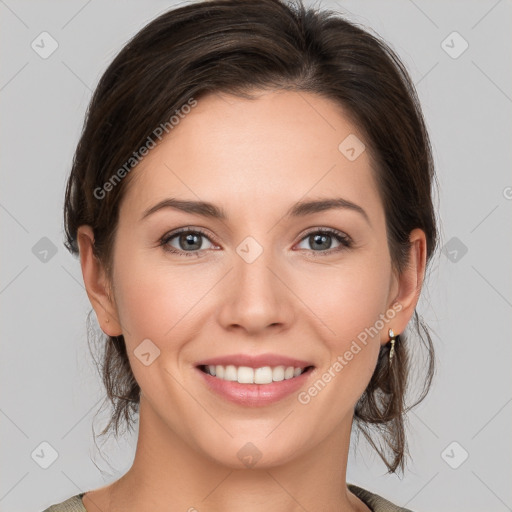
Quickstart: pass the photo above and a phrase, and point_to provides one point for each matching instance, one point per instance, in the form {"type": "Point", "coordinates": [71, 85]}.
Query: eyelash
{"type": "Point", "coordinates": [344, 240]}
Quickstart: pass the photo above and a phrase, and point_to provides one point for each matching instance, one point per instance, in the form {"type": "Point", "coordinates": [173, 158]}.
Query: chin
{"type": "Point", "coordinates": [252, 452]}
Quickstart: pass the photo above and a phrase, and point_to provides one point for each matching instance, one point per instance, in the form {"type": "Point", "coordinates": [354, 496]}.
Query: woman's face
{"type": "Point", "coordinates": [262, 282]}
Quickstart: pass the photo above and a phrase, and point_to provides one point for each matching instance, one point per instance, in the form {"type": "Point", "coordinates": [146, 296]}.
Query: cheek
{"type": "Point", "coordinates": [350, 304]}
{"type": "Point", "coordinates": [347, 299]}
{"type": "Point", "coordinates": [156, 299]}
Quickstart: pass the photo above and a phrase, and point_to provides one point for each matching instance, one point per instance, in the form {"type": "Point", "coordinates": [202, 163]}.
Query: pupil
{"type": "Point", "coordinates": [321, 239]}
{"type": "Point", "coordinates": [190, 241]}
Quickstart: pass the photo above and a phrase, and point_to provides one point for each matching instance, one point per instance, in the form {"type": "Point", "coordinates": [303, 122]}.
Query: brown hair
{"type": "Point", "coordinates": [237, 46]}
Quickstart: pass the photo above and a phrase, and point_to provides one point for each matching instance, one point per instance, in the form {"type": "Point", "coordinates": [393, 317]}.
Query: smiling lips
{"type": "Point", "coordinates": [254, 380]}
{"type": "Point", "coordinates": [248, 375]}
{"type": "Point", "coordinates": [247, 369]}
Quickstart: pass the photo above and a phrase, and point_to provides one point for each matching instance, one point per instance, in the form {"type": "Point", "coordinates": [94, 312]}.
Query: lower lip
{"type": "Point", "coordinates": [253, 395]}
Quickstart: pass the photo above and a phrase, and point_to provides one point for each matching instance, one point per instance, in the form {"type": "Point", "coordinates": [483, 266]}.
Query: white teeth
{"type": "Point", "coordinates": [278, 373]}
{"type": "Point", "coordinates": [263, 375]}
{"type": "Point", "coordinates": [247, 375]}
{"type": "Point", "coordinates": [230, 373]}
{"type": "Point", "coordinates": [288, 373]}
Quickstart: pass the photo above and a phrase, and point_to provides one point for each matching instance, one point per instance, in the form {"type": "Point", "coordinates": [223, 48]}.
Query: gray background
{"type": "Point", "coordinates": [49, 388]}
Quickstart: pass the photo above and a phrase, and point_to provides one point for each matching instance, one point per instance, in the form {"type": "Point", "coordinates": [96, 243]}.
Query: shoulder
{"type": "Point", "coordinates": [73, 504]}
{"type": "Point", "coordinates": [375, 502]}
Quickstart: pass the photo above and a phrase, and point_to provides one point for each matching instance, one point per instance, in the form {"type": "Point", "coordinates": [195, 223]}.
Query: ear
{"type": "Point", "coordinates": [409, 284]}
{"type": "Point", "coordinates": [96, 283]}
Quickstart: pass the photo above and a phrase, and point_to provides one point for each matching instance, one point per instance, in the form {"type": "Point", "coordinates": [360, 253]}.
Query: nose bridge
{"type": "Point", "coordinates": [252, 272]}
{"type": "Point", "coordinates": [254, 280]}
{"type": "Point", "coordinates": [256, 295]}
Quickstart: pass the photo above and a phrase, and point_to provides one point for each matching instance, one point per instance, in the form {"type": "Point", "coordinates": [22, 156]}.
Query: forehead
{"type": "Point", "coordinates": [271, 150]}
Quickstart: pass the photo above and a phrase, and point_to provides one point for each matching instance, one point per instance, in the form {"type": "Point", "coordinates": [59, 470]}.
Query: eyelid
{"type": "Point", "coordinates": [325, 229]}
{"type": "Point", "coordinates": [345, 241]}
{"type": "Point", "coordinates": [186, 229]}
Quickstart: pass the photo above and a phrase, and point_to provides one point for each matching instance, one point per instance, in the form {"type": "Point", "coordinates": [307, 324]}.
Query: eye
{"type": "Point", "coordinates": [321, 241]}
{"type": "Point", "coordinates": [189, 242]}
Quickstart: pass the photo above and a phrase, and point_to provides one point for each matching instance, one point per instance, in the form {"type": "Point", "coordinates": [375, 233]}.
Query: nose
{"type": "Point", "coordinates": [257, 297]}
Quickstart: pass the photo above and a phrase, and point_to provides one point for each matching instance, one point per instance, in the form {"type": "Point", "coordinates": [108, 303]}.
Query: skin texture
{"type": "Point", "coordinates": [255, 159]}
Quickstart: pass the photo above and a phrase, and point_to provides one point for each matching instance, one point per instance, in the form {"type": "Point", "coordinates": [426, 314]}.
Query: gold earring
{"type": "Point", "coordinates": [393, 338]}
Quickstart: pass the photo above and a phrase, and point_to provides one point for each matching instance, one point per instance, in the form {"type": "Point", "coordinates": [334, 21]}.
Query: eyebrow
{"type": "Point", "coordinates": [300, 209]}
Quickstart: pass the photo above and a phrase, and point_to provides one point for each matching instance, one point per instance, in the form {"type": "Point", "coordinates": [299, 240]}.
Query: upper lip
{"type": "Point", "coordinates": [255, 361]}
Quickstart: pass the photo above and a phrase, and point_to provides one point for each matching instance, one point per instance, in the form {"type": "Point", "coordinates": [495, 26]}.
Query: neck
{"type": "Point", "coordinates": [169, 474]}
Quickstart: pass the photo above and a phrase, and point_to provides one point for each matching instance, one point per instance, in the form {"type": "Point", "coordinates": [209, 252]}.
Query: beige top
{"type": "Point", "coordinates": [375, 502]}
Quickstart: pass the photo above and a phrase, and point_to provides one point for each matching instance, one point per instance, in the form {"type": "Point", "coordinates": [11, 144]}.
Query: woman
{"type": "Point", "coordinates": [251, 203]}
